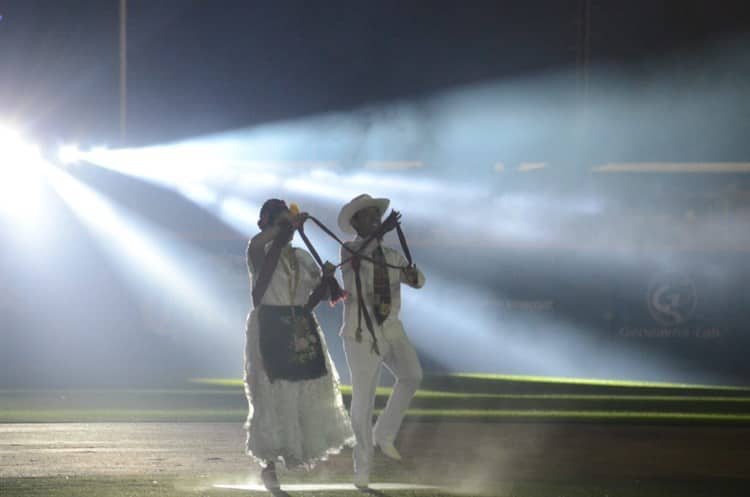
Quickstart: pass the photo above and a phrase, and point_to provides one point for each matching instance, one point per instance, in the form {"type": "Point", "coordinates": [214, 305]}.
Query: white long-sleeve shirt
{"type": "Point", "coordinates": [392, 323]}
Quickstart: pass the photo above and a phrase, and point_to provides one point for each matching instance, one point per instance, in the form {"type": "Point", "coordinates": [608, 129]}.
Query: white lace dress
{"type": "Point", "coordinates": [296, 422]}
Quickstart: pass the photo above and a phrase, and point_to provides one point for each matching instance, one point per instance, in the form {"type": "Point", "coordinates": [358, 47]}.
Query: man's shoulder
{"type": "Point", "coordinates": [390, 250]}
{"type": "Point", "coordinates": [349, 246]}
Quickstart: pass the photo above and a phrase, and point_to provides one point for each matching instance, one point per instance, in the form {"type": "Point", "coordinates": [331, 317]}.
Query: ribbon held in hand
{"type": "Point", "coordinates": [329, 284]}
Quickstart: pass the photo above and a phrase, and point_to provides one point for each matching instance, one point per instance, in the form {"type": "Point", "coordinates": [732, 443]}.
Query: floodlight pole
{"type": "Point", "coordinates": [583, 55]}
{"type": "Point", "coordinates": [123, 72]}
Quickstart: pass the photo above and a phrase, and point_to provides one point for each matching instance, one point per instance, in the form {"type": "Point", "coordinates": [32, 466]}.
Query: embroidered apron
{"type": "Point", "coordinates": [290, 343]}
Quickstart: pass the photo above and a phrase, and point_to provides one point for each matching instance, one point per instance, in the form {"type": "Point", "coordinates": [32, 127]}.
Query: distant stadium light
{"type": "Point", "coordinates": [394, 165]}
{"type": "Point", "coordinates": [674, 167]}
{"type": "Point", "coordinates": [531, 166]}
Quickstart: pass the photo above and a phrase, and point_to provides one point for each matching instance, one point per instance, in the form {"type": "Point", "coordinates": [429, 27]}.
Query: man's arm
{"type": "Point", "coordinates": [410, 275]}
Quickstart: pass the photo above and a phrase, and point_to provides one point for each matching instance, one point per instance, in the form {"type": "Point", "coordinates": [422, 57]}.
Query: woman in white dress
{"type": "Point", "coordinates": [296, 414]}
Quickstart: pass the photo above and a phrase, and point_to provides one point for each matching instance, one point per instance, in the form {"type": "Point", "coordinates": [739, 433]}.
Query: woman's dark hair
{"type": "Point", "coordinates": [268, 212]}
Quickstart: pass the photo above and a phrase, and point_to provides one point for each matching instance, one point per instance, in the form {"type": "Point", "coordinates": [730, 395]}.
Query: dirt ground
{"type": "Point", "coordinates": [433, 452]}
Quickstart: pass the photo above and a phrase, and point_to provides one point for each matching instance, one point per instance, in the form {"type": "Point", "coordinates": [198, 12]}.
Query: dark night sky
{"type": "Point", "coordinates": [203, 66]}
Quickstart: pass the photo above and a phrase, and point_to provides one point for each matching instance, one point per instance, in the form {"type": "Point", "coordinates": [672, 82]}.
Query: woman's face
{"type": "Point", "coordinates": [283, 217]}
{"type": "Point", "coordinates": [366, 221]}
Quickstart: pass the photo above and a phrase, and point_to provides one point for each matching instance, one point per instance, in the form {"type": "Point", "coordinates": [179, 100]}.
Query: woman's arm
{"type": "Point", "coordinates": [256, 251]}
{"type": "Point", "coordinates": [266, 262]}
{"type": "Point", "coordinates": [322, 290]}
{"type": "Point", "coordinates": [281, 231]}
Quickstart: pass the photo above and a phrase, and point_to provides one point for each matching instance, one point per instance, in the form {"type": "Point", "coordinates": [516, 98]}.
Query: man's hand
{"type": "Point", "coordinates": [411, 274]}
{"type": "Point", "coordinates": [390, 222]}
{"type": "Point", "coordinates": [328, 269]}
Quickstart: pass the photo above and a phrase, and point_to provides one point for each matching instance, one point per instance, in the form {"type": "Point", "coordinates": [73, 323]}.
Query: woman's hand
{"type": "Point", "coordinates": [328, 269]}
{"type": "Point", "coordinates": [299, 219]}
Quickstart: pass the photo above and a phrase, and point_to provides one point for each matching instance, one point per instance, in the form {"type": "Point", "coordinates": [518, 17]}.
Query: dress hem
{"type": "Point", "coordinates": [306, 464]}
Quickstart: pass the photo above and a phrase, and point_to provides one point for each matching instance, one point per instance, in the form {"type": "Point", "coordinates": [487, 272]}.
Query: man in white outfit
{"type": "Point", "coordinates": [381, 339]}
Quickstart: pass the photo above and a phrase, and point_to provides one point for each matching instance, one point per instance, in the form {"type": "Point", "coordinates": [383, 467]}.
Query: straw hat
{"type": "Point", "coordinates": [357, 204]}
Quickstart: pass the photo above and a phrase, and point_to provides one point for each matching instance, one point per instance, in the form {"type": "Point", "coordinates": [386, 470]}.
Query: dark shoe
{"type": "Point", "coordinates": [270, 480]}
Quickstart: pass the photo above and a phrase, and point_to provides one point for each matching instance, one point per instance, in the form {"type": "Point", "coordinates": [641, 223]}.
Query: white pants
{"type": "Point", "coordinates": [399, 356]}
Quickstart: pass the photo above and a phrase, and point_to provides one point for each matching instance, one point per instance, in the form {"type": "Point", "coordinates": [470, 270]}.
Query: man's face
{"type": "Point", "coordinates": [366, 221]}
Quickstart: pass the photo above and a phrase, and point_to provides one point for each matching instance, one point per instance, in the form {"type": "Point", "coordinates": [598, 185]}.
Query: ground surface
{"type": "Point", "coordinates": [471, 435]}
{"type": "Point", "coordinates": [474, 458]}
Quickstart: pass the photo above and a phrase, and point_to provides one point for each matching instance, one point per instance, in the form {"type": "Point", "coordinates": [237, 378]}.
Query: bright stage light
{"type": "Point", "coordinates": [20, 178]}
{"type": "Point", "coordinates": [239, 214]}
{"type": "Point", "coordinates": [147, 258]}
{"type": "Point", "coordinates": [69, 154]}
{"type": "Point", "coordinates": [14, 150]}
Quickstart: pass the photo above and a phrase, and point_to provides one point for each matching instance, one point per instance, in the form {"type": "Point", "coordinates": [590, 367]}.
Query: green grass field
{"type": "Point", "coordinates": [487, 398]}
